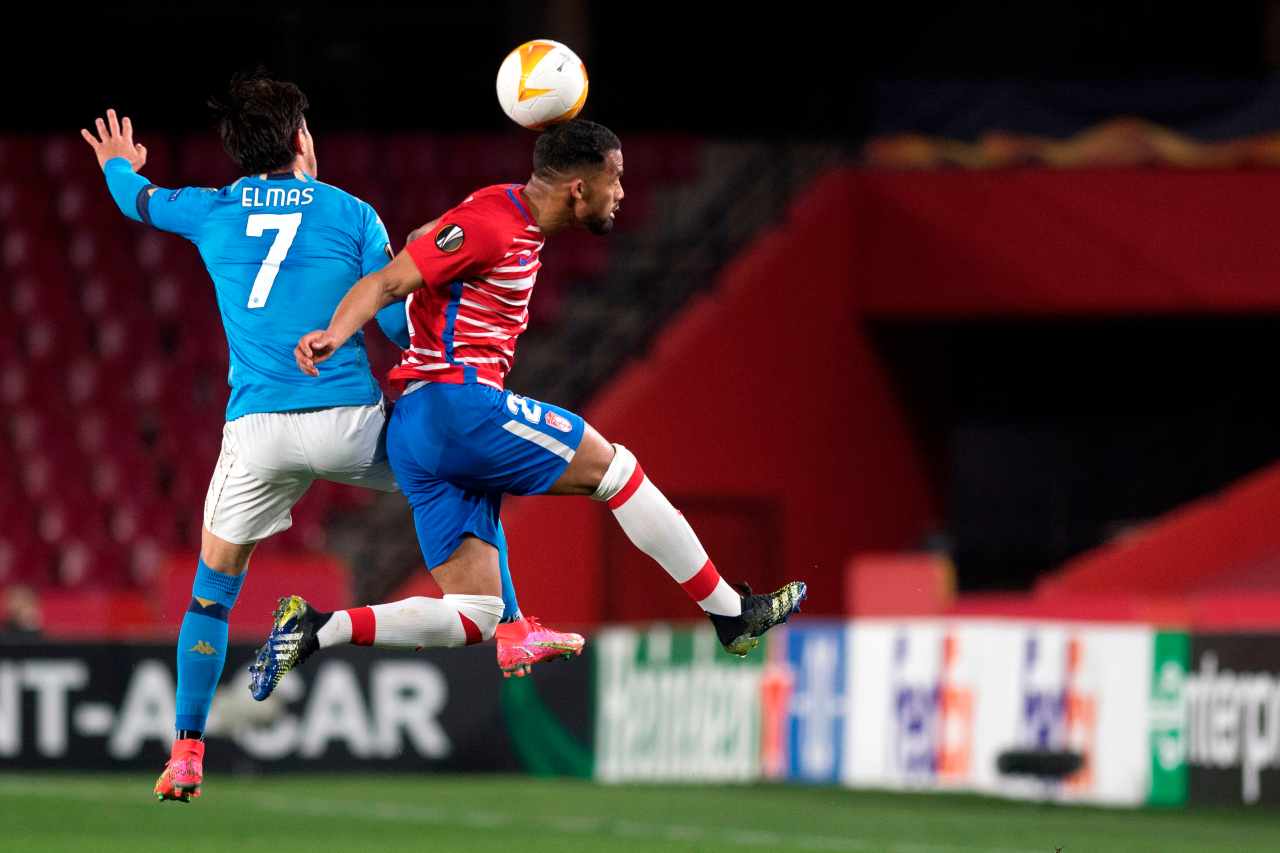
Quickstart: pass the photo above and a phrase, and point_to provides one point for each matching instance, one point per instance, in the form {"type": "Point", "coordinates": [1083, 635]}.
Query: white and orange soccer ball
{"type": "Point", "coordinates": [542, 83]}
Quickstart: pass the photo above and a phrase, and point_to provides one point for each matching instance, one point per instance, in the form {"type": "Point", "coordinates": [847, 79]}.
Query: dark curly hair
{"type": "Point", "coordinates": [257, 119]}
{"type": "Point", "coordinates": [574, 144]}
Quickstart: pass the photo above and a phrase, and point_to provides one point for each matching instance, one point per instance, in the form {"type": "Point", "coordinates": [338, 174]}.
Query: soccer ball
{"type": "Point", "coordinates": [542, 83]}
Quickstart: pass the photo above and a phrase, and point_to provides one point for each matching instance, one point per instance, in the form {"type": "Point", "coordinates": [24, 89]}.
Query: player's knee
{"type": "Point", "coordinates": [619, 473]}
{"type": "Point", "coordinates": [222, 555]}
{"type": "Point", "coordinates": [483, 611]}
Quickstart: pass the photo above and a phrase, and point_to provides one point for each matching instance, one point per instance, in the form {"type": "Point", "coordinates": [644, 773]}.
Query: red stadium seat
{"type": "Point", "coordinates": [66, 156]}
{"type": "Point", "coordinates": [123, 471]}
{"type": "Point", "coordinates": [38, 476]}
{"type": "Point", "coordinates": [149, 382]}
{"type": "Point", "coordinates": [29, 429]}
{"type": "Point", "coordinates": [154, 248]}
{"type": "Point", "coordinates": [71, 202]}
{"type": "Point", "coordinates": [189, 440]}
{"type": "Point", "coordinates": [117, 342]}
{"type": "Point", "coordinates": [414, 156]}
{"type": "Point", "coordinates": [47, 340]}
{"type": "Point", "coordinates": [15, 385]}
{"type": "Point", "coordinates": [18, 155]}
{"type": "Point", "coordinates": [660, 159]}
{"type": "Point", "coordinates": [141, 516]}
{"type": "Point", "coordinates": [576, 254]}
{"type": "Point", "coordinates": [84, 561]}
{"type": "Point", "coordinates": [481, 160]}
{"type": "Point", "coordinates": [167, 297]}
{"type": "Point", "coordinates": [63, 515]}
{"type": "Point", "coordinates": [96, 435]}
{"type": "Point", "coordinates": [24, 198]}
{"type": "Point", "coordinates": [10, 349]}
{"type": "Point", "coordinates": [29, 248]}
{"type": "Point", "coordinates": [346, 156]}
{"type": "Point", "coordinates": [17, 522]}
{"type": "Point", "coordinates": [97, 295]}
{"type": "Point", "coordinates": [416, 205]}
{"type": "Point", "coordinates": [32, 297]}
{"type": "Point", "coordinates": [24, 559]}
{"type": "Point", "coordinates": [202, 162]}
{"type": "Point", "coordinates": [88, 252]}
{"type": "Point", "coordinates": [188, 487]}
{"type": "Point", "coordinates": [146, 557]}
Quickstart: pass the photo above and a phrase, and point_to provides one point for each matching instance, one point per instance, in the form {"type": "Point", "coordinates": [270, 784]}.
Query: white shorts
{"type": "Point", "coordinates": [268, 460]}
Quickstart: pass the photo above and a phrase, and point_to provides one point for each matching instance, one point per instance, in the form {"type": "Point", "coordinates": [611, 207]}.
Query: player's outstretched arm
{"type": "Point", "coordinates": [120, 159]}
{"type": "Point", "coordinates": [369, 296]}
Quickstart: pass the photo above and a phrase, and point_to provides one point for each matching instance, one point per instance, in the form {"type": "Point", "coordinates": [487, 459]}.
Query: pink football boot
{"type": "Point", "coordinates": [527, 641]}
{"type": "Point", "coordinates": [183, 772]}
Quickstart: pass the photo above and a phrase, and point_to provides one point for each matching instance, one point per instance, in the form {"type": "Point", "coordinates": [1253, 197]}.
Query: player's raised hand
{"type": "Point", "coordinates": [313, 348]}
{"type": "Point", "coordinates": [115, 139]}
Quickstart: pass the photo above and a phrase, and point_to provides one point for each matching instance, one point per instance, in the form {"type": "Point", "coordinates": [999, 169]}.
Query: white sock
{"type": "Point", "coordinates": [416, 623]}
{"type": "Point", "coordinates": [655, 526]}
{"type": "Point", "coordinates": [337, 630]}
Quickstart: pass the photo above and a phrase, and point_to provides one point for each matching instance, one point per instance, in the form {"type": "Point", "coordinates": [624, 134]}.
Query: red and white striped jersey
{"type": "Point", "coordinates": [478, 269]}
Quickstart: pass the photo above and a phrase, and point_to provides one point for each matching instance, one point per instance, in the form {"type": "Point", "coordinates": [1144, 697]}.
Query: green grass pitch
{"type": "Point", "coordinates": [43, 812]}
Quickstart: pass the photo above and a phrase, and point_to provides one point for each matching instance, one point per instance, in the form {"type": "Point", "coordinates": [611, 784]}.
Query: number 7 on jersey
{"type": "Point", "coordinates": [286, 227]}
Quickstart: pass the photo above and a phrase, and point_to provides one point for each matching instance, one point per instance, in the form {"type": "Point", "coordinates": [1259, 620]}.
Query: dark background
{"type": "Point", "coordinates": [725, 69]}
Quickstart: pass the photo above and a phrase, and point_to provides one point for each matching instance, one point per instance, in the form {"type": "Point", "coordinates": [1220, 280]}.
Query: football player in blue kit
{"type": "Point", "coordinates": [281, 248]}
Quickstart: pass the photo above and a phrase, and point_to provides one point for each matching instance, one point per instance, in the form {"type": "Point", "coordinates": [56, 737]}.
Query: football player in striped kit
{"type": "Point", "coordinates": [459, 440]}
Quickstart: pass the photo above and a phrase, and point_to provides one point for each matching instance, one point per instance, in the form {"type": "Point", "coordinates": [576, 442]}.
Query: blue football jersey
{"type": "Point", "coordinates": [282, 252]}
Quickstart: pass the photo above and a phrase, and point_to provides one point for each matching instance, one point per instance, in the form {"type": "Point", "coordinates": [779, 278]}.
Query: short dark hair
{"type": "Point", "coordinates": [257, 119]}
{"type": "Point", "coordinates": [564, 147]}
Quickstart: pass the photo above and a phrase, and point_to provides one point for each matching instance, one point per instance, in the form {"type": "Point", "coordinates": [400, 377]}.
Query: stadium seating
{"type": "Point", "coordinates": [113, 363]}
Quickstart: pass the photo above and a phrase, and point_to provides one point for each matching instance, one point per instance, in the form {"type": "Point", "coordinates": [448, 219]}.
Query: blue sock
{"type": "Point", "coordinates": [202, 644]}
{"type": "Point", "coordinates": [510, 607]}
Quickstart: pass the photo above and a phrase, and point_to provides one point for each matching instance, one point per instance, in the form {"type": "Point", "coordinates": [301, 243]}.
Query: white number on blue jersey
{"type": "Point", "coordinates": [286, 227]}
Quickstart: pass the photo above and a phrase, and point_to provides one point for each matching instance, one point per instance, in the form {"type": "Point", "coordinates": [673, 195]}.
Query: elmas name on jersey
{"type": "Point", "coordinates": [252, 196]}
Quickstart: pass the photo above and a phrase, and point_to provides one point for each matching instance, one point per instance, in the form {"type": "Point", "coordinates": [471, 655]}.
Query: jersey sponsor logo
{"type": "Point", "coordinates": [449, 238]}
{"type": "Point", "coordinates": [555, 421]}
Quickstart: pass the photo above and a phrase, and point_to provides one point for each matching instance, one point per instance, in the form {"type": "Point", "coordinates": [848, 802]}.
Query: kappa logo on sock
{"type": "Point", "coordinates": [203, 648]}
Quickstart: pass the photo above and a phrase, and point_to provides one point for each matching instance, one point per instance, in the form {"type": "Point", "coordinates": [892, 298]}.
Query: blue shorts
{"type": "Point", "coordinates": [456, 449]}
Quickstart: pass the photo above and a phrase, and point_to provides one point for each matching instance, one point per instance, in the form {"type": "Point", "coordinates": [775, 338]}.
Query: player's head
{"type": "Point", "coordinates": [262, 125]}
{"type": "Point", "coordinates": [583, 160]}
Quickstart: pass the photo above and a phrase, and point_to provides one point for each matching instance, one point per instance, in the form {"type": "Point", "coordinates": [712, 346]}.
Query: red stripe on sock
{"type": "Point", "coordinates": [469, 628]}
{"type": "Point", "coordinates": [633, 483]}
{"type": "Point", "coordinates": [703, 583]}
{"type": "Point", "coordinates": [363, 626]}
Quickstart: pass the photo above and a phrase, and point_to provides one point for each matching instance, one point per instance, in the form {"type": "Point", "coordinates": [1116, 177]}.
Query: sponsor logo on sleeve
{"type": "Point", "coordinates": [556, 421]}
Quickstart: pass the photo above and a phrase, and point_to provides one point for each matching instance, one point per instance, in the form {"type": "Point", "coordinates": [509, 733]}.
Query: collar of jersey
{"type": "Point", "coordinates": [295, 175]}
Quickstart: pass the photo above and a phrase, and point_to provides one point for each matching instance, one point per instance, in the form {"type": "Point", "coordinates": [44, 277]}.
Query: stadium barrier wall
{"type": "Point", "coordinates": [1160, 716]}
{"type": "Point", "coordinates": [917, 704]}
{"type": "Point", "coordinates": [105, 707]}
